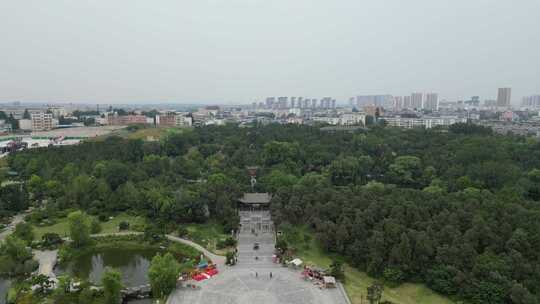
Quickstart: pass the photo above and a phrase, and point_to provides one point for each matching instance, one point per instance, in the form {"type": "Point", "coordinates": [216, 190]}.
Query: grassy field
{"type": "Point", "coordinates": [61, 226]}
{"type": "Point", "coordinates": [356, 282]}
{"type": "Point", "coordinates": [153, 133]}
{"type": "Point", "coordinates": [136, 223]}
{"type": "Point", "coordinates": [144, 133]}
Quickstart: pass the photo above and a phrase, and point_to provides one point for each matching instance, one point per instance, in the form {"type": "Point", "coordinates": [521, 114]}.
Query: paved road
{"type": "Point", "coordinates": [19, 218]}
{"type": "Point", "coordinates": [47, 261]}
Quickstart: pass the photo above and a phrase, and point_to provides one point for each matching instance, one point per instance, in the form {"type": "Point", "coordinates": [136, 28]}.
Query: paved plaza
{"type": "Point", "coordinates": [249, 281]}
{"type": "Point", "coordinates": [241, 286]}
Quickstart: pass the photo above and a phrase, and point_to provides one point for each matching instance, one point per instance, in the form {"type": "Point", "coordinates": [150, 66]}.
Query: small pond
{"type": "Point", "coordinates": [4, 286]}
{"type": "Point", "coordinates": [133, 264]}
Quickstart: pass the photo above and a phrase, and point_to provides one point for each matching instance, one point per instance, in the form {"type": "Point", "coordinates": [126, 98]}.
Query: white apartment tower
{"type": "Point", "coordinates": [398, 103]}
{"type": "Point", "coordinates": [417, 100]}
{"type": "Point", "coordinates": [431, 102]}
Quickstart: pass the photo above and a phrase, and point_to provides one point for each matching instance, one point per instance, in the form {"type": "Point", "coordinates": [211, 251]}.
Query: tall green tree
{"type": "Point", "coordinates": [163, 274]}
{"type": "Point", "coordinates": [112, 285]}
{"type": "Point", "coordinates": [79, 228]}
{"type": "Point", "coordinates": [24, 231]}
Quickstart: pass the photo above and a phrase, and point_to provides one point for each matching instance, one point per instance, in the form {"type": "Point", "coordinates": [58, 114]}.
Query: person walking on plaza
{"type": "Point", "coordinates": [270, 275]}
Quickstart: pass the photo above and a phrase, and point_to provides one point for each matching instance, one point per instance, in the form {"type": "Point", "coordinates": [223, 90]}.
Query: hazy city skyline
{"type": "Point", "coordinates": [240, 51]}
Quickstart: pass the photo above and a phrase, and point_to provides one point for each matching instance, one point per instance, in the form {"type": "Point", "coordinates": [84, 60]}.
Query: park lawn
{"type": "Point", "coordinates": [146, 133]}
{"type": "Point", "coordinates": [356, 282]}
{"type": "Point", "coordinates": [207, 235]}
{"type": "Point", "coordinates": [154, 133]}
{"type": "Point", "coordinates": [61, 226]}
{"type": "Point", "coordinates": [136, 223]}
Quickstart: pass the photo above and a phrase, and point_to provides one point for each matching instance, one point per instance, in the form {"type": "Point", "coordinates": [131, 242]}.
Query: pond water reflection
{"type": "Point", "coordinates": [133, 264]}
{"type": "Point", "coordinates": [4, 287]}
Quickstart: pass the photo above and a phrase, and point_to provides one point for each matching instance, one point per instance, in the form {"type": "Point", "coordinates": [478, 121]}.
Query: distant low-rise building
{"type": "Point", "coordinates": [509, 116]}
{"type": "Point", "coordinates": [352, 119]}
{"type": "Point", "coordinates": [167, 119]}
{"type": "Point", "coordinates": [215, 122]}
{"type": "Point", "coordinates": [295, 120]}
{"type": "Point", "coordinates": [25, 124]}
{"type": "Point", "coordinates": [372, 110]}
{"type": "Point", "coordinates": [42, 122]}
{"type": "Point", "coordinates": [183, 121]}
{"type": "Point", "coordinates": [422, 122]}
{"type": "Point", "coordinates": [116, 120]}
{"type": "Point", "coordinates": [325, 119]}
{"type": "Point", "coordinates": [57, 111]}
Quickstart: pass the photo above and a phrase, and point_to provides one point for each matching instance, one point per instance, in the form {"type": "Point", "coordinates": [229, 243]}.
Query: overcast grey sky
{"type": "Point", "coordinates": [243, 50]}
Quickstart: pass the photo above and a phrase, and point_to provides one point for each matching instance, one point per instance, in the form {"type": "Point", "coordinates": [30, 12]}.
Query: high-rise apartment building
{"type": "Point", "coordinates": [531, 101]}
{"type": "Point", "coordinates": [431, 102]}
{"type": "Point", "coordinates": [282, 102]}
{"type": "Point", "coordinates": [326, 102]}
{"type": "Point", "coordinates": [374, 100]}
{"type": "Point", "coordinates": [417, 100]}
{"type": "Point", "coordinates": [398, 103]}
{"type": "Point", "coordinates": [301, 102]}
{"type": "Point", "coordinates": [407, 104]}
{"type": "Point", "coordinates": [270, 101]}
{"type": "Point", "coordinates": [504, 97]}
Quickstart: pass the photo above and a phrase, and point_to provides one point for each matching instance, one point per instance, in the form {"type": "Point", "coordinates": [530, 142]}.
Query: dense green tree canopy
{"type": "Point", "coordinates": [458, 209]}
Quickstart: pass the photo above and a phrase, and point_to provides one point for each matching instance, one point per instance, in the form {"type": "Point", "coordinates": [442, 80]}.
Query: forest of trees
{"type": "Point", "coordinates": [457, 209]}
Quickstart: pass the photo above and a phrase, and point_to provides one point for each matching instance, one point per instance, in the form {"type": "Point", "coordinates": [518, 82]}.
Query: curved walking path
{"type": "Point", "coordinates": [217, 259]}
{"type": "Point", "coordinates": [19, 218]}
{"type": "Point", "coordinates": [47, 261]}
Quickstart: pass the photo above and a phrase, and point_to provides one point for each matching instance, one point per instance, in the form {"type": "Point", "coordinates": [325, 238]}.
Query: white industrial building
{"type": "Point", "coordinates": [423, 122]}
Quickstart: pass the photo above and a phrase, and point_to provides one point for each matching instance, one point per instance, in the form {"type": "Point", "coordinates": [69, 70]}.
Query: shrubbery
{"type": "Point", "coordinates": [228, 242]}
{"type": "Point", "coordinates": [123, 225]}
{"type": "Point", "coordinates": [50, 240]}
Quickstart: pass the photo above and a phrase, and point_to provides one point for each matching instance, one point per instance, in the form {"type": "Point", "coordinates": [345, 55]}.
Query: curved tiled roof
{"type": "Point", "coordinates": [256, 198]}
